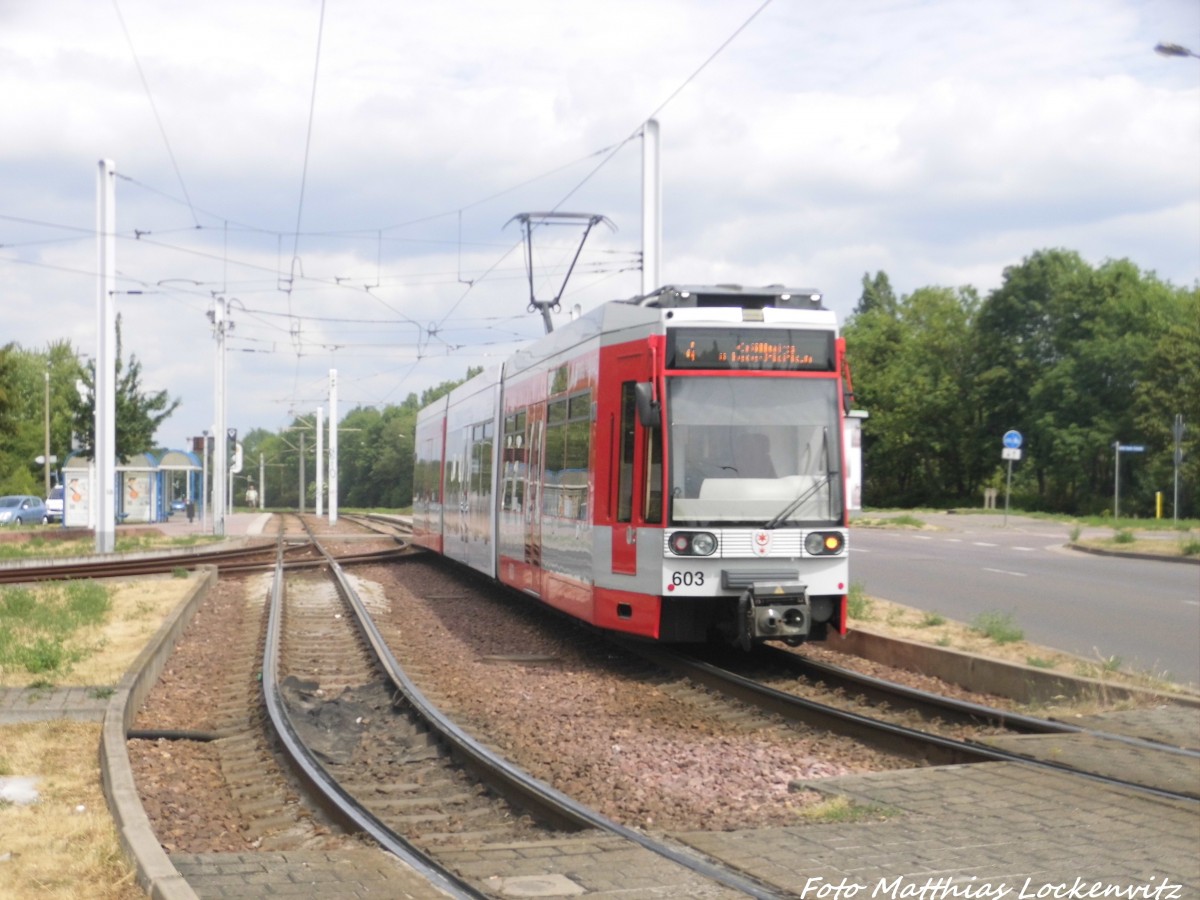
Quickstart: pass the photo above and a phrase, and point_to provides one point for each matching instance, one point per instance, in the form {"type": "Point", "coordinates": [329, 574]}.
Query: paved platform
{"type": "Point", "coordinates": [35, 704]}
{"type": "Point", "coordinates": [237, 524]}
{"type": "Point", "coordinates": [345, 875]}
{"type": "Point", "coordinates": [987, 827]}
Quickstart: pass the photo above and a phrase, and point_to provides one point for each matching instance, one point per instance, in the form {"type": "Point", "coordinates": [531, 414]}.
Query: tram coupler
{"type": "Point", "coordinates": [773, 611]}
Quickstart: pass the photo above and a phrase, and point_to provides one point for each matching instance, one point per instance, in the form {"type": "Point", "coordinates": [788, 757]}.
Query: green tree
{"type": "Point", "coordinates": [1170, 387]}
{"type": "Point", "coordinates": [877, 294]}
{"type": "Point", "coordinates": [913, 369]}
{"type": "Point", "coordinates": [24, 377]}
{"type": "Point", "coordinates": [138, 413]}
{"type": "Point", "coordinates": [1063, 348]}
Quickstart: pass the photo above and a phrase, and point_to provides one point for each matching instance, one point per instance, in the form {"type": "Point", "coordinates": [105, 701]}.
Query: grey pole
{"type": "Point", "coordinates": [105, 449]}
{"type": "Point", "coordinates": [333, 447]}
{"type": "Point", "coordinates": [1177, 430]}
{"type": "Point", "coordinates": [651, 207]}
{"type": "Point", "coordinates": [1117, 482]}
{"type": "Point", "coordinates": [221, 444]}
{"type": "Point", "coordinates": [319, 506]}
{"type": "Point", "coordinates": [302, 471]}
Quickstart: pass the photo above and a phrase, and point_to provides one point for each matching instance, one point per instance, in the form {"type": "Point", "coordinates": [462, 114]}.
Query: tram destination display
{"type": "Point", "coordinates": [787, 349]}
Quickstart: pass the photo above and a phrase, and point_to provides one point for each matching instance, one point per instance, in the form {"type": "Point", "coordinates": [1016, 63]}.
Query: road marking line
{"type": "Point", "coordinates": [922, 537]}
{"type": "Point", "coordinates": [984, 544]}
{"type": "Point", "coordinates": [1027, 549]}
{"type": "Point", "coordinates": [953, 540]}
{"type": "Point", "coordinates": [1005, 572]}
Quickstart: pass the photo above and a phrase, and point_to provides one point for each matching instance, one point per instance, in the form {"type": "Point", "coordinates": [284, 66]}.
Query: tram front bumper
{"type": "Point", "coordinates": [773, 611]}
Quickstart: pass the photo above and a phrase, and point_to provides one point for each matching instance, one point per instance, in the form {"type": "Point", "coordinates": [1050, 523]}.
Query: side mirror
{"type": "Point", "coordinates": [649, 410]}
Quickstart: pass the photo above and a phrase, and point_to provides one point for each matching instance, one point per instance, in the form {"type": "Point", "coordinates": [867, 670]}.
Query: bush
{"type": "Point", "coordinates": [999, 627]}
{"type": "Point", "coordinates": [858, 604]}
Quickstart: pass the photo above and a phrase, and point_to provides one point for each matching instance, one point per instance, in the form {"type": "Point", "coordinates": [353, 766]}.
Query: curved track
{"type": "Point", "coordinates": [399, 826]}
{"type": "Point", "coordinates": [921, 744]}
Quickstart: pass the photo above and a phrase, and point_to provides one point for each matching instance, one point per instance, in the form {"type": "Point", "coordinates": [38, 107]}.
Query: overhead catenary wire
{"type": "Point", "coordinates": [312, 107]}
{"type": "Point", "coordinates": [154, 108]}
{"type": "Point", "coordinates": [439, 333]}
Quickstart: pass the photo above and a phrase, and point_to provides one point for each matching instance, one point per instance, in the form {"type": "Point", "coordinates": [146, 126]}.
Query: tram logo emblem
{"type": "Point", "coordinates": [762, 542]}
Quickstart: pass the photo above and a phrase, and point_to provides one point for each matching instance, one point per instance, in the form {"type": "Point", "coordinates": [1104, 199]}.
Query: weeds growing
{"type": "Point", "coordinates": [858, 604]}
{"type": "Point", "coordinates": [997, 626]}
{"type": "Point", "coordinates": [38, 628]}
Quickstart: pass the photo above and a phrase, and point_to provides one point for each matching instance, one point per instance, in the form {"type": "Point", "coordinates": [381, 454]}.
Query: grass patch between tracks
{"type": "Point", "coordinates": [80, 632]}
{"type": "Point", "coordinates": [842, 810]}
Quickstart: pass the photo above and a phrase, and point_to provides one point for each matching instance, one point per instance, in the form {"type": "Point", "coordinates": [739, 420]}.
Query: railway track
{"type": "Point", "coordinates": [1175, 780]}
{"type": "Point", "coordinates": [335, 680]}
{"type": "Point", "coordinates": [391, 764]}
{"type": "Point", "coordinates": [258, 556]}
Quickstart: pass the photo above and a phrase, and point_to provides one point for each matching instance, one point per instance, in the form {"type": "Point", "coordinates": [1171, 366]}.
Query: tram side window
{"type": "Point", "coordinates": [568, 437]}
{"type": "Point", "coordinates": [625, 448]}
{"type": "Point", "coordinates": [512, 490]}
{"type": "Point", "coordinates": [481, 462]}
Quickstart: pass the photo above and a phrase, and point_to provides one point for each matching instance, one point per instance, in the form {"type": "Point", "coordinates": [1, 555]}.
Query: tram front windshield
{"type": "Point", "coordinates": [759, 451]}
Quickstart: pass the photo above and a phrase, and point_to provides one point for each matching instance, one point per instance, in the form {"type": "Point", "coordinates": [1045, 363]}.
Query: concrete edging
{"type": "Point", "coordinates": [156, 874]}
{"type": "Point", "coordinates": [1127, 554]}
{"type": "Point", "coordinates": [1025, 684]}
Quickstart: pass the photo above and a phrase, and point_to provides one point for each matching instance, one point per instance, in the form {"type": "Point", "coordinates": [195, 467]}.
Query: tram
{"type": "Point", "coordinates": [668, 466]}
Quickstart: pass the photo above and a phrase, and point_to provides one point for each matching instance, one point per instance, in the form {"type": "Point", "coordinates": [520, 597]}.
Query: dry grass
{"type": "Point", "coordinates": [138, 609]}
{"type": "Point", "coordinates": [897, 620]}
{"type": "Point", "coordinates": [63, 845]}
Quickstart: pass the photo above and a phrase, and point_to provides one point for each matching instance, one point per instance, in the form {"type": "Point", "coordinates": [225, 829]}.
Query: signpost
{"type": "Point", "coordinates": [1012, 450]}
{"type": "Point", "coordinates": [1121, 448]}
{"type": "Point", "coordinates": [1177, 431]}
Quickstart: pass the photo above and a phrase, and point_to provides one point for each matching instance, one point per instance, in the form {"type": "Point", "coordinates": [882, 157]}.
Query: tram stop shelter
{"type": "Point", "coordinates": [144, 489]}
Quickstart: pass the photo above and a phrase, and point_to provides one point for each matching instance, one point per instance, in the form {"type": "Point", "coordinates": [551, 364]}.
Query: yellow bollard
{"type": "Point", "coordinates": [1158, 504]}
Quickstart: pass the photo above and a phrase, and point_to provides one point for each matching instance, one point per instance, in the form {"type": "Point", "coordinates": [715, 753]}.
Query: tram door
{"type": "Point", "coordinates": [636, 497]}
{"type": "Point", "coordinates": [534, 476]}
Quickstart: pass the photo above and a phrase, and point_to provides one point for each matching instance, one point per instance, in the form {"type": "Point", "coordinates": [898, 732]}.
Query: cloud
{"type": "Point", "coordinates": [937, 140]}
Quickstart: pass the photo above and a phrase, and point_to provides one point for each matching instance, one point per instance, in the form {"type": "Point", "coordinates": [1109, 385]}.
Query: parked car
{"type": "Point", "coordinates": [178, 505]}
{"type": "Point", "coordinates": [21, 509]}
{"type": "Point", "coordinates": [54, 504]}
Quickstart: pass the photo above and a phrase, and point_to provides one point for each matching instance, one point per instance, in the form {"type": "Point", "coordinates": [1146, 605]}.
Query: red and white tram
{"type": "Point", "coordinates": [668, 466]}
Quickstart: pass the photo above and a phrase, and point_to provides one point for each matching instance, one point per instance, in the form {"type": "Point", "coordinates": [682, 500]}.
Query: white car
{"type": "Point", "coordinates": [54, 504]}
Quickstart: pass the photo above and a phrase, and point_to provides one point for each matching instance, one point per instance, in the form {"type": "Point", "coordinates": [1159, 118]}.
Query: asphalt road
{"type": "Point", "coordinates": [1144, 613]}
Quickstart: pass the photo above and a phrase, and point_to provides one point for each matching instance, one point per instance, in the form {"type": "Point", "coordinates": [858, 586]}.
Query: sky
{"type": "Point", "coordinates": [346, 175]}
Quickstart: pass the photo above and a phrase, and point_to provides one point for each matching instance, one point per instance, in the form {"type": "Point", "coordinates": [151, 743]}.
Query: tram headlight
{"type": "Point", "coordinates": [823, 543]}
{"type": "Point", "coordinates": [693, 543]}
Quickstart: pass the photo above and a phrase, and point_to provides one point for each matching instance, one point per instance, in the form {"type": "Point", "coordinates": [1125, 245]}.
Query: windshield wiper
{"type": "Point", "coordinates": [795, 504]}
{"type": "Point", "coordinates": [831, 470]}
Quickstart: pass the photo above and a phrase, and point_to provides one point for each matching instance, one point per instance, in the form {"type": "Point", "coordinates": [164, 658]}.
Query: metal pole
{"type": "Point", "coordinates": [1117, 483]}
{"type": "Point", "coordinates": [105, 449]}
{"type": "Point", "coordinates": [221, 448]}
{"type": "Point", "coordinates": [333, 447]}
{"type": "Point", "coordinates": [204, 490]}
{"type": "Point", "coordinates": [46, 458]}
{"type": "Point", "coordinates": [1177, 430]}
{"type": "Point", "coordinates": [262, 482]}
{"type": "Point", "coordinates": [301, 504]}
{"type": "Point", "coordinates": [651, 207]}
{"type": "Point", "coordinates": [1007, 491]}
{"type": "Point", "coordinates": [319, 505]}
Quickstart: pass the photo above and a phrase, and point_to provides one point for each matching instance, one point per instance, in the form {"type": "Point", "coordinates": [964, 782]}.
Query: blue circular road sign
{"type": "Point", "coordinates": [1012, 439]}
